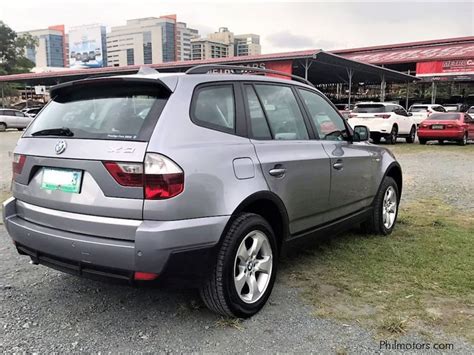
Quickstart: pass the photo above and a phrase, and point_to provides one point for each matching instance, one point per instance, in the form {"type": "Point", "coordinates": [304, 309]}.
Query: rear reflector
{"type": "Point", "coordinates": [145, 276]}
{"type": "Point", "coordinates": [160, 177]}
{"type": "Point", "coordinates": [17, 164]}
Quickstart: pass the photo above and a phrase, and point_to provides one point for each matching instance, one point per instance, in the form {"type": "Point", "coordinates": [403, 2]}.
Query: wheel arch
{"type": "Point", "coordinates": [394, 171]}
{"type": "Point", "coordinates": [268, 205]}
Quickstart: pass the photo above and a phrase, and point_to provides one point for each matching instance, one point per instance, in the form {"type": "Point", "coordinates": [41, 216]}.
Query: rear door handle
{"type": "Point", "coordinates": [338, 165]}
{"type": "Point", "coordinates": [277, 172]}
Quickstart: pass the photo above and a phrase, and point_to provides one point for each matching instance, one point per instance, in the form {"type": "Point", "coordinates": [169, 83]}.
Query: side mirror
{"type": "Point", "coordinates": [361, 134]}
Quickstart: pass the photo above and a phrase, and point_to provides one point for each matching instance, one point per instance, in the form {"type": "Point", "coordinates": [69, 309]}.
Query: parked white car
{"type": "Point", "coordinates": [421, 111]}
{"type": "Point", "coordinates": [384, 120]}
{"type": "Point", "coordinates": [13, 119]}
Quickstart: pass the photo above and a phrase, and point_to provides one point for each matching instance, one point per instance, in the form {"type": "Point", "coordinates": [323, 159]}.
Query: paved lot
{"type": "Point", "coordinates": [42, 310]}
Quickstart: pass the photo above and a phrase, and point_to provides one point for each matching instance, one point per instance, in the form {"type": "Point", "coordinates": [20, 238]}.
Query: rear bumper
{"type": "Point", "coordinates": [437, 134]}
{"type": "Point", "coordinates": [154, 244]}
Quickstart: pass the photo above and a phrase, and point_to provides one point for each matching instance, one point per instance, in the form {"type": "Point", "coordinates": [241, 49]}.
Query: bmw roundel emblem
{"type": "Point", "coordinates": [60, 147]}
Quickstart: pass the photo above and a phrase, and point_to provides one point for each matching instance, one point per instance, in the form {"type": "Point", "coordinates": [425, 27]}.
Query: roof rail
{"type": "Point", "coordinates": [205, 68]}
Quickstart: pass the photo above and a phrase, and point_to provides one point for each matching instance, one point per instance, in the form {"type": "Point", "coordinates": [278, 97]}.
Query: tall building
{"type": "Point", "coordinates": [225, 44]}
{"type": "Point", "coordinates": [247, 44]}
{"type": "Point", "coordinates": [224, 36]}
{"type": "Point", "coordinates": [50, 48]}
{"type": "Point", "coordinates": [202, 48]}
{"type": "Point", "coordinates": [87, 46]}
{"type": "Point", "coordinates": [184, 35]}
{"type": "Point", "coordinates": [142, 41]}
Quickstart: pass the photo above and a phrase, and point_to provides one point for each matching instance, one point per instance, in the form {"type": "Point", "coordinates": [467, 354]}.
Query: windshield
{"type": "Point", "coordinates": [108, 113]}
{"type": "Point", "coordinates": [369, 108]}
{"type": "Point", "coordinates": [418, 109]}
{"type": "Point", "coordinates": [445, 116]}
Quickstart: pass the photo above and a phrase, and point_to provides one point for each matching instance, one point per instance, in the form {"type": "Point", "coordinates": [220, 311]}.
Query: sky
{"type": "Point", "coordinates": [282, 26]}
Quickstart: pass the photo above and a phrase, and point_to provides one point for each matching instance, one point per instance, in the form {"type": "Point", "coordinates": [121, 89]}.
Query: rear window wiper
{"type": "Point", "coordinates": [54, 132]}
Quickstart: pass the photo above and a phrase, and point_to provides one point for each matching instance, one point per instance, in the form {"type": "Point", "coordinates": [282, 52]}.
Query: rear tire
{"type": "Point", "coordinates": [236, 266]}
{"type": "Point", "coordinates": [412, 136]}
{"type": "Point", "coordinates": [376, 224]}
{"type": "Point", "coordinates": [3, 127]}
{"type": "Point", "coordinates": [392, 138]}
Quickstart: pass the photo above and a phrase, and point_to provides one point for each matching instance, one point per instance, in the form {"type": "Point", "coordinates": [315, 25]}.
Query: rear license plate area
{"type": "Point", "coordinates": [66, 180]}
{"type": "Point", "coordinates": [437, 126]}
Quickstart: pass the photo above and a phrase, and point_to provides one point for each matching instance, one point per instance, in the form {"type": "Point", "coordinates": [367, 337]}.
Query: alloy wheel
{"type": "Point", "coordinates": [253, 266]}
{"type": "Point", "coordinates": [389, 207]}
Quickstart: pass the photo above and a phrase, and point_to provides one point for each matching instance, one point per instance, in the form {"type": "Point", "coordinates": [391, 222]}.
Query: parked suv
{"type": "Point", "coordinates": [384, 120]}
{"type": "Point", "coordinates": [10, 118]}
{"type": "Point", "coordinates": [202, 176]}
{"type": "Point", "coordinates": [421, 112]}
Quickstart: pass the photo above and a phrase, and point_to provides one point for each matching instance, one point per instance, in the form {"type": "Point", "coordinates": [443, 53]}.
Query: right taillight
{"type": "Point", "coordinates": [160, 177]}
{"type": "Point", "coordinates": [163, 177]}
{"type": "Point", "coordinates": [383, 116]}
{"type": "Point", "coordinates": [17, 164]}
{"type": "Point", "coordinates": [351, 115]}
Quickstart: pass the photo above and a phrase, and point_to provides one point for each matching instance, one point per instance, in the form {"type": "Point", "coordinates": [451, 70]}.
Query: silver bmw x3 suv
{"type": "Point", "coordinates": [202, 176]}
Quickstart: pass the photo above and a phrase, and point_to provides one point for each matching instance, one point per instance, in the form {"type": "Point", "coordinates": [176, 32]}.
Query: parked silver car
{"type": "Point", "coordinates": [10, 118]}
{"type": "Point", "coordinates": [202, 176]}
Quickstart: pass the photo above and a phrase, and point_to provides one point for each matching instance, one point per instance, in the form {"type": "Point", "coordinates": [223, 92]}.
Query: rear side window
{"type": "Point", "coordinates": [120, 112]}
{"type": "Point", "coordinates": [258, 122]}
{"type": "Point", "coordinates": [214, 107]}
{"type": "Point", "coordinates": [369, 108]}
{"type": "Point", "coordinates": [282, 111]}
{"type": "Point", "coordinates": [19, 114]}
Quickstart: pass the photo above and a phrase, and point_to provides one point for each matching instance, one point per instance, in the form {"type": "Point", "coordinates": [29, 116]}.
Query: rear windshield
{"type": "Point", "coordinates": [451, 108]}
{"type": "Point", "coordinates": [418, 109]}
{"type": "Point", "coordinates": [123, 112]}
{"type": "Point", "coordinates": [445, 116]}
{"type": "Point", "coordinates": [369, 108]}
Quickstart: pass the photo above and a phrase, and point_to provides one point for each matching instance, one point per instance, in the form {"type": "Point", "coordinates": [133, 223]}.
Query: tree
{"type": "Point", "coordinates": [12, 51]}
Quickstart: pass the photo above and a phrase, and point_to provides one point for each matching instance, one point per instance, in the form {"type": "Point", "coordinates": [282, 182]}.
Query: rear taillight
{"type": "Point", "coordinates": [424, 126]}
{"type": "Point", "coordinates": [163, 177]}
{"type": "Point", "coordinates": [17, 164]}
{"type": "Point", "coordinates": [126, 174]}
{"type": "Point", "coordinates": [160, 177]}
{"type": "Point", "coordinates": [144, 276]}
{"type": "Point", "coordinates": [351, 115]}
{"type": "Point", "coordinates": [383, 116]}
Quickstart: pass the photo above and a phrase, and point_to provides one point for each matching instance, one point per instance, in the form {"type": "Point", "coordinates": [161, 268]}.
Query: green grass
{"type": "Point", "coordinates": [423, 274]}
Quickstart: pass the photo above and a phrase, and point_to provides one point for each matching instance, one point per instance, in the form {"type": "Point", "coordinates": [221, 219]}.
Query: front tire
{"type": "Point", "coordinates": [385, 209]}
{"type": "Point", "coordinates": [244, 274]}
{"type": "Point", "coordinates": [3, 127]}
{"type": "Point", "coordinates": [463, 141]}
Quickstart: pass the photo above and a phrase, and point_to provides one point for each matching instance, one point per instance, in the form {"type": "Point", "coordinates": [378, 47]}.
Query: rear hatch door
{"type": "Point", "coordinates": [87, 124]}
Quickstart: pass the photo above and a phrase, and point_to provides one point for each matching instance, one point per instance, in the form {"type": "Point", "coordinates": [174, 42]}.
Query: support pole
{"type": "Point", "coordinates": [433, 92]}
{"type": "Point", "coordinates": [3, 97]}
{"type": "Point", "coordinates": [350, 73]}
{"type": "Point", "coordinates": [26, 96]}
{"type": "Point", "coordinates": [383, 84]}
{"type": "Point", "coordinates": [306, 65]}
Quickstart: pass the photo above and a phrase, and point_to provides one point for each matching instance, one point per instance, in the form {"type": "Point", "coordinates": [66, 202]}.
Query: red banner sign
{"type": "Point", "coordinates": [447, 67]}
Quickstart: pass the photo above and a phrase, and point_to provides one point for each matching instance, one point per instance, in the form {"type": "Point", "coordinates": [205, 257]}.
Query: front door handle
{"type": "Point", "coordinates": [338, 165]}
{"type": "Point", "coordinates": [277, 172]}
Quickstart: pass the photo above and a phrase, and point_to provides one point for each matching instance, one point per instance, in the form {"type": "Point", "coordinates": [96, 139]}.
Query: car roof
{"type": "Point", "coordinates": [377, 103]}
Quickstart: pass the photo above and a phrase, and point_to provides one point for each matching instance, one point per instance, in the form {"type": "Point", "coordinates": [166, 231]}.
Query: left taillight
{"type": "Point", "coordinates": [17, 164]}
{"type": "Point", "coordinates": [160, 177]}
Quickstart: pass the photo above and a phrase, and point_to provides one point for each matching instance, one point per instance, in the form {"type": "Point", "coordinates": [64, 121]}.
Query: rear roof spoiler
{"type": "Point", "coordinates": [71, 85]}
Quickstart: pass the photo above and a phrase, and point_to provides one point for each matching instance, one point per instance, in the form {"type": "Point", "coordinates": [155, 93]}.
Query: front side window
{"type": "Point", "coordinates": [282, 111]}
{"type": "Point", "coordinates": [329, 124]}
{"type": "Point", "coordinates": [214, 107]}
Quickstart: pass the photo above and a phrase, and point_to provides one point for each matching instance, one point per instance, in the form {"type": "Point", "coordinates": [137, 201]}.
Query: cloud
{"type": "Point", "coordinates": [288, 40]}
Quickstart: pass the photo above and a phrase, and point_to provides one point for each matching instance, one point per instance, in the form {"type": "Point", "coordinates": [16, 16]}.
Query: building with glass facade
{"type": "Point", "coordinates": [142, 41]}
{"type": "Point", "coordinates": [50, 48]}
